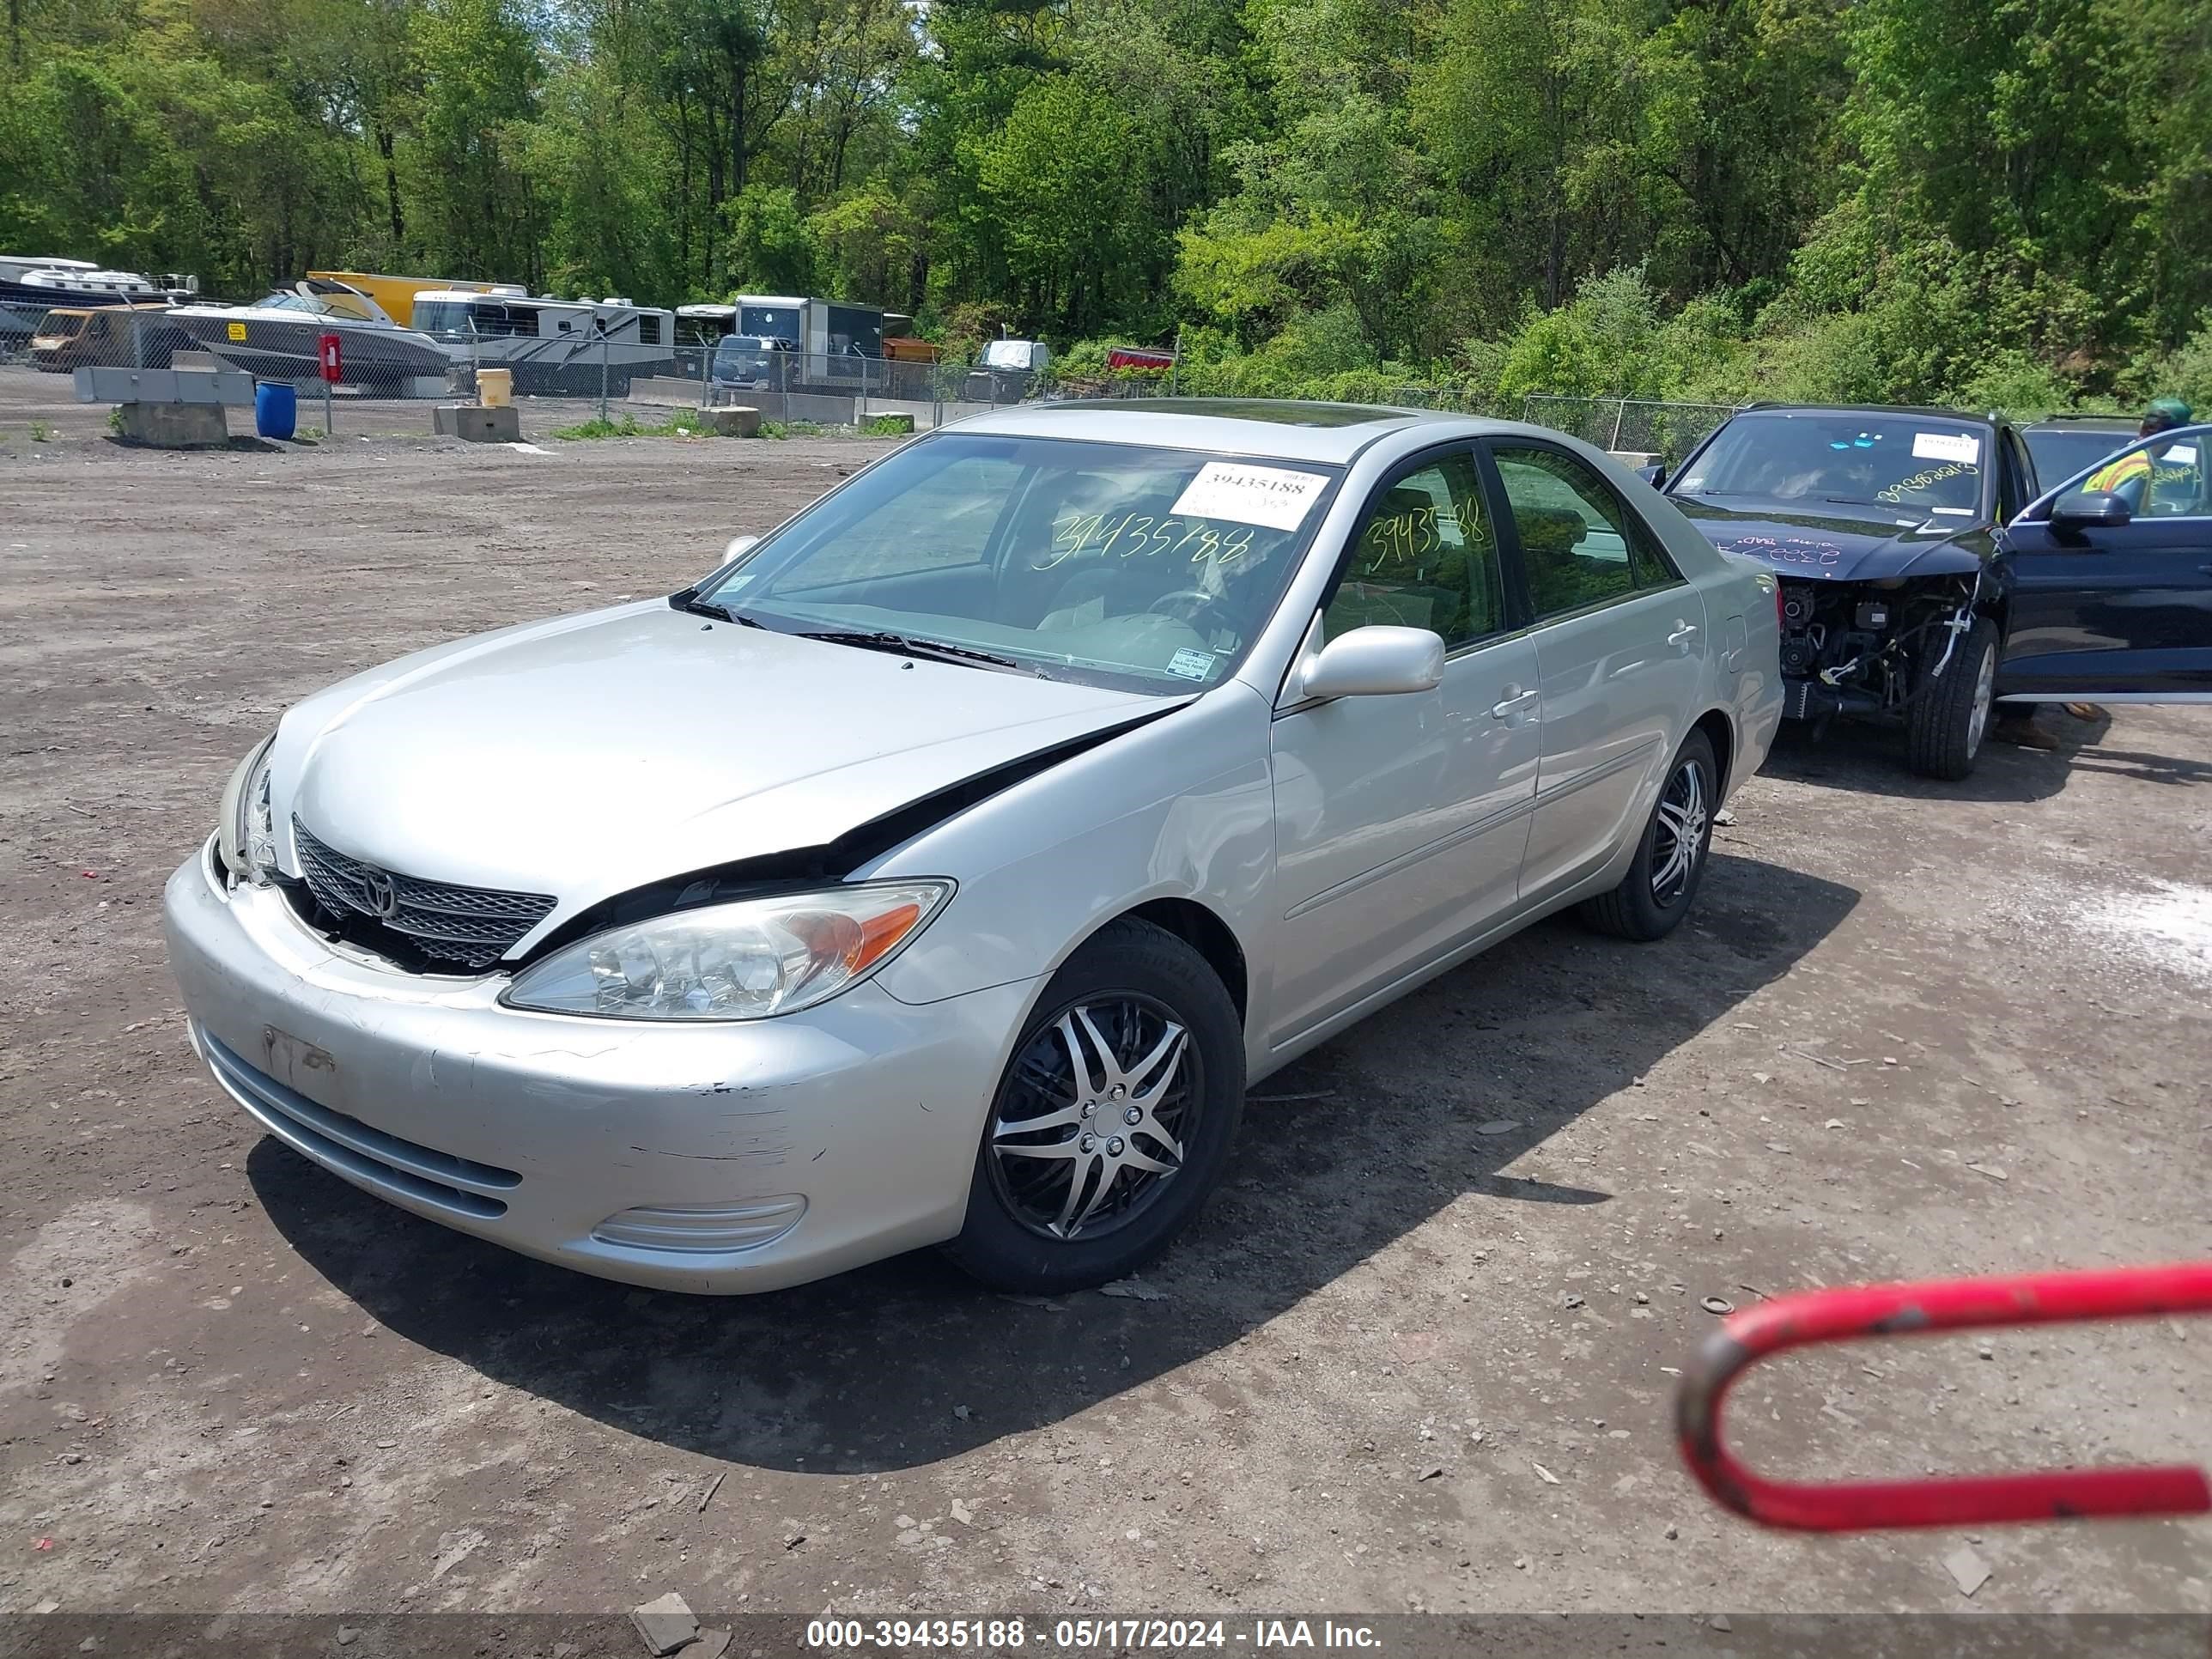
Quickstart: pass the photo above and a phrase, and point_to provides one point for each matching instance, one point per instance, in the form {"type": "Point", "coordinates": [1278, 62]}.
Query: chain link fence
{"type": "Point", "coordinates": [833, 388]}
{"type": "Point", "coordinates": [1629, 425]}
{"type": "Point", "coordinates": [274, 345]}
{"type": "Point", "coordinates": [383, 363]}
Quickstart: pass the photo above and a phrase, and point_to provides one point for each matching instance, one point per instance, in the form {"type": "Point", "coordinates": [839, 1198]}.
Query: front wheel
{"type": "Point", "coordinates": [1670, 858]}
{"type": "Point", "coordinates": [1946, 727]}
{"type": "Point", "coordinates": [1113, 1121]}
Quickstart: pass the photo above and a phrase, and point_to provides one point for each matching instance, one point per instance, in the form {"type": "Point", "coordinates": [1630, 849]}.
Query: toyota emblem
{"type": "Point", "coordinates": [383, 897]}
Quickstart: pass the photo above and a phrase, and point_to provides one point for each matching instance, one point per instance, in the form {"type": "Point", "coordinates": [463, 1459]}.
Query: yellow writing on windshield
{"type": "Point", "coordinates": [1892, 495]}
{"type": "Point", "coordinates": [1144, 535]}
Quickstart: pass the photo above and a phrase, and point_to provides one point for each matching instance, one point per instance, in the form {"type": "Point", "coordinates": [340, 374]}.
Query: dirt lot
{"type": "Point", "coordinates": [1403, 1362]}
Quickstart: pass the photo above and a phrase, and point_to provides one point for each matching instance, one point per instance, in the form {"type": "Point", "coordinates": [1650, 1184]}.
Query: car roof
{"type": "Point", "coordinates": [1872, 408]}
{"type": "Point", "coordinates": [1330, 434]}
{"type": "Point", "coordinates": [2085, 423]}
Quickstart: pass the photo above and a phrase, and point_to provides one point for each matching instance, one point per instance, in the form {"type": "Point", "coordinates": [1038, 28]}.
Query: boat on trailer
{"type": "Point", "coordinates": [33, 285]}
{"type": "Point", "coordinates": [280, 339]}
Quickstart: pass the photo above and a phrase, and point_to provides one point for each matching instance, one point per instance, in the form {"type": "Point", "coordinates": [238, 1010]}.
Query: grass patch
{"type": "Point", "coordinates": [888, 426]}
{"type": "Point", "coordinates": [42, 432]}
{"type": "Point", "coordinates": [630, 427]}
{"type": "Point", "coordinates": [690, 427]}
{"type": "Point", "coordinates": [115, 420]}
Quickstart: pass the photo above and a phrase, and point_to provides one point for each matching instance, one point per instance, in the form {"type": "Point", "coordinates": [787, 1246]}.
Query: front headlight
{"type": "Point", "coordinates": [743, 961]}
{"type": "Point", "coordinates": [245, 829]}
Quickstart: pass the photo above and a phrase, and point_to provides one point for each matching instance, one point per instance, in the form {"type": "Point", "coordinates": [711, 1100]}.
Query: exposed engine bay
{"type": "Point", "coordinates": [1872, 647]}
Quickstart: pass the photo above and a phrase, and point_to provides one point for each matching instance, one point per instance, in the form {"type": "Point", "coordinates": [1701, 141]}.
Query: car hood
{"type": "Point", "coordinates": [1827, 547]}
{"type": "Point", "coordinates": [587, 756]}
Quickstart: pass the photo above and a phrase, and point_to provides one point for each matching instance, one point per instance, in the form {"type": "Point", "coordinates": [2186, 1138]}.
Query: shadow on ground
{"type": "Point", "coordinates": [865, 1372]}
{"type": "Point", "coordinates": [1866, 759]}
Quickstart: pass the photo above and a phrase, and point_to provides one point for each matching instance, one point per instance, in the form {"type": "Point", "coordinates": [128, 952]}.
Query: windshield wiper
{"type": "Point", "coordinates": [699, 607]}
{"type": "Point", "coordinates": [904, 646]}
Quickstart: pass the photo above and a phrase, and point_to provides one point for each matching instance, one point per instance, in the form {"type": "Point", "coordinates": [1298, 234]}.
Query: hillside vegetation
{"type": "Point", "coordinates": [1997, 202]}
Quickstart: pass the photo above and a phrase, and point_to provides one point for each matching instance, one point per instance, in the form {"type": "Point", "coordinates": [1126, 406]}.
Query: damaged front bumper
{"type": "Point", "coordinates": [716, 1157]}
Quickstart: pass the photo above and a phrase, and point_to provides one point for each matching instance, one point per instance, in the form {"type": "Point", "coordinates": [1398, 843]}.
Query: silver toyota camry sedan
{"type": "Point", "coordinates": [942, 868]}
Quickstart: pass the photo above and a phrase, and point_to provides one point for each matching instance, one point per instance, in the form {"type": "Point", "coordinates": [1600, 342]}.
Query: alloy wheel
{"type": "Point", "coordinates": [1092, 1124]}
{"type": "Point", "coordinates": [1678, 835]}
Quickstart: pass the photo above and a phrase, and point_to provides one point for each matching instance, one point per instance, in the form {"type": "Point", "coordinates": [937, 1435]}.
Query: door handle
{"type": "Point", "coordinates": [1683, 632]}
{"type": "Point", "coordinates": [1515, 702]}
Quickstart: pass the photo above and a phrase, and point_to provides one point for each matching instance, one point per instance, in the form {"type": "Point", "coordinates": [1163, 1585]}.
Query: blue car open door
{"type": "Point", "coordinates": [2111, 581]}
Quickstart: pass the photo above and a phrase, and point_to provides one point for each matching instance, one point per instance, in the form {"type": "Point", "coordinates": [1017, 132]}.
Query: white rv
{"type": "Point", "coordinates": [563, 346]}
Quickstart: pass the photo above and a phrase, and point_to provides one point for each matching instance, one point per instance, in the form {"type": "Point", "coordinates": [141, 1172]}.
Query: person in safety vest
{"type": "Point", "coordinates": [2128, 477]}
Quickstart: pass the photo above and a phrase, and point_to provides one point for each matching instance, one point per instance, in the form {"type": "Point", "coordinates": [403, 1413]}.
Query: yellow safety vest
{"type": "Point", "coordinates": [2110, 479]}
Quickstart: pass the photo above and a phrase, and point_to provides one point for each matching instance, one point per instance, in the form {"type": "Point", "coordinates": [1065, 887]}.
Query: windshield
{"type": "Point", "coordinates": [774, 322]}
{"type": "Point", "coordinates": [444, 316]}
{"type": "Point", "coordinates": [2060, 452]}
{"type": "Point", "coordinates": [1109, 564]}
{"type": "Point", "coordinates": [742, 354]}
{"type": "Point", "coordinates": [1911, 463]}
{"type": "Point", "coordinates": [349, 306]}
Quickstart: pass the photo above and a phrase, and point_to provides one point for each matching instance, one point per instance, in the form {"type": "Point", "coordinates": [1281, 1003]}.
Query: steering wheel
{"type": "Point", "coordinates": [1198, 598]}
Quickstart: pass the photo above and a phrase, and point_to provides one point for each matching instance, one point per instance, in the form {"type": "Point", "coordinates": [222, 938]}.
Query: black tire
{"type": "Point", "coordinates": [1944, 730]}
{"type": "Point", "coordinates": [1130, 980]}
{"type": "Point", "coordinates": [1653, 896]}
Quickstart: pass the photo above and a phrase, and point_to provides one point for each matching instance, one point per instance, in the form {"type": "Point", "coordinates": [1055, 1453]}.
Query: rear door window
{"type": "Point", "coordinates": [1580, 545]}
{"type": "Point", "coordinates": [1425, 556]}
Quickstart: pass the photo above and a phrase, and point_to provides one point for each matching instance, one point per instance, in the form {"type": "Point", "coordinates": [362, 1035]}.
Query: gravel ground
{"type": "Point", "coordinates": [1408, 1359]}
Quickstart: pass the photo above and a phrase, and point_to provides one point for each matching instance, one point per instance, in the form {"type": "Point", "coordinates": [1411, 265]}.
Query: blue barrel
{"type": "Point", "coordinates": [276, 409]}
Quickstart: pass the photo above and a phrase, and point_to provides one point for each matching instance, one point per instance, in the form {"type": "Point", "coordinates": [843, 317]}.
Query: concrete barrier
{"type": "Point", "coordinates": [663, 391]}
{"type": "Point", "coordinates": [102, 385]}
{"type": "Point", "coordinates": [174, 426]}
{"type": "Point", "coordinates": [736, 421]}
{"type": "Point", "coordinates": [924, 414]}
{"type": "Point", "coordinates": [168, 408]}
{"type": "Point", "coordinates": [477, 424]}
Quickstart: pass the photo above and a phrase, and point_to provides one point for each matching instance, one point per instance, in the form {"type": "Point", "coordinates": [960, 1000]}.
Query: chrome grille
{"type": "Point", "coordinates": [474, 927]}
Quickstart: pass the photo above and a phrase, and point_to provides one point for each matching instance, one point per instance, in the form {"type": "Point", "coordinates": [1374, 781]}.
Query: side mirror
{"type": "Point", "coordinates": [737, 544]}
{"type": "Point", "coordinates": [2085, 509]}
{"type": "Point", "coordinates": [1375, 662]}
{"type": "Point", "coordinates": [1655, 475]}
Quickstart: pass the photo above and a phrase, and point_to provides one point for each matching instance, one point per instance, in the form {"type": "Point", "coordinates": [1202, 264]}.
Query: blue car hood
{"type": "Point", "coordinates": [1825, 547]}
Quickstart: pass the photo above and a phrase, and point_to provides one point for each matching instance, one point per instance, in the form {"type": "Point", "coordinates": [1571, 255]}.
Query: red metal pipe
{"type": "Point", "coordinates": [1880, 1310]}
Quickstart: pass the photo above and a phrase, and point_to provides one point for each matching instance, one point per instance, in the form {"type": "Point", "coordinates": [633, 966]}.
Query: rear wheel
{"type": "Point", "coordinates": [1670, 859]}
{"type": "Point", "coordinates": [1944, 729]}
{"type": "Point", "coordinates": [1113, 1121]}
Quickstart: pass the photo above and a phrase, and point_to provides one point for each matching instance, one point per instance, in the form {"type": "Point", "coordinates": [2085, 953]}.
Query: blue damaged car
{"type": "Point", "coordinates": [1926, 575]}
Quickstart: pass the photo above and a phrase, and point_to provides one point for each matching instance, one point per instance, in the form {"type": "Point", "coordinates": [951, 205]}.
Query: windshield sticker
{"type": "Point", "coordinates": [1962, 447]}
{"type": "Point", "coordinates": [1191, 665]}
{"type": "Point", "coordinates": [1267, 495]}
{"type": "Point", "coordinates": [1954, 512]}
{"type": "Point", "coordinates": [1864, 440]}
{"type": "Point", "coordinates": [2183, 453]}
